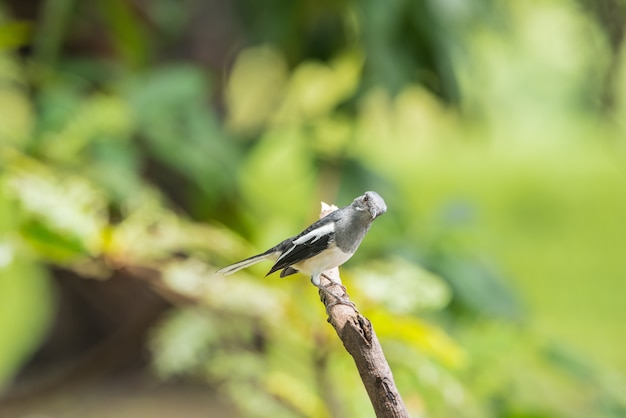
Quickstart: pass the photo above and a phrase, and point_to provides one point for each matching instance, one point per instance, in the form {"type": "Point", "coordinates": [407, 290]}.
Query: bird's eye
{"type": "Point", "coordinates": [366, 198]}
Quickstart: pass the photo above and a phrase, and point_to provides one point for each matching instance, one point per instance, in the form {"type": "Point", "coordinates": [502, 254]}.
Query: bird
{"type": "Point", "coordinates": [324, 245]}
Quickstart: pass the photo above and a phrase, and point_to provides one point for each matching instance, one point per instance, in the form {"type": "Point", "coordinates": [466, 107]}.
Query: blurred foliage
{"type": "Point", "coordinates": [131, 138]}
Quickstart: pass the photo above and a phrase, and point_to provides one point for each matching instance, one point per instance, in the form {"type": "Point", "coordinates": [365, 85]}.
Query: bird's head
{"type": "Point", "coordinates": [370, 202]}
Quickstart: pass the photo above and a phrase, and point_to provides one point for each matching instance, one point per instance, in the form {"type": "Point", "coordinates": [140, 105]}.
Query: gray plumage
{"type": "Point", "coordinates": [325, 244]}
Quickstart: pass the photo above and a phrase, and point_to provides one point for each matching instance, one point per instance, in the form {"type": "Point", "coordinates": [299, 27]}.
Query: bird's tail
{"type": "Point", "coordinates": [245, 263]}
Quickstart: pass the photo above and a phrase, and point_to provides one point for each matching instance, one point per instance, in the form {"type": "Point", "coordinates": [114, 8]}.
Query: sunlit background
{"type": "Point", "coordinates": [146, 143]}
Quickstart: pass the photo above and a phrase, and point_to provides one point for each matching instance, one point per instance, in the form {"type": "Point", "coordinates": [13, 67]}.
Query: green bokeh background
{"type": "Point", "coordinates": [145, 144]}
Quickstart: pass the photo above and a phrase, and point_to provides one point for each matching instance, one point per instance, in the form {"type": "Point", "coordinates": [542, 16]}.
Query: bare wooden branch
{"type": "Point", "coordinates": [358, 337]}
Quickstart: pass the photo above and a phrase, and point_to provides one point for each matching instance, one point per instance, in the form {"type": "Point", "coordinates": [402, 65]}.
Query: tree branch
{"type": "Point", "coordinates": [358, 337]}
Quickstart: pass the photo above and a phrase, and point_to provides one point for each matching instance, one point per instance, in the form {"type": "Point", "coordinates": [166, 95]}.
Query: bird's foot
{"type": "Point", "coordinates": [334, 283]}
{"type": "Point", "coordinates": [338, 300]}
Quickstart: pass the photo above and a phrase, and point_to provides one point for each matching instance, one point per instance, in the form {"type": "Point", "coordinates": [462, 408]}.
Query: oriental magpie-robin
{"type": "Point", "coordinates": [324, 245]}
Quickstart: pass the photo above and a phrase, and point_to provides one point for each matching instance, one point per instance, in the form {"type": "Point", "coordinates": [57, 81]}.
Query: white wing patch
{"type": "Point", "coordinates": [314, 235]}
{"type": "Point", "coordinates": [317, 233]}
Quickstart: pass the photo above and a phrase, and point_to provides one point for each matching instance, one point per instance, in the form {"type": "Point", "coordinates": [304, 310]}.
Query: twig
{"type": "Point", "coordinates": [358, 337]}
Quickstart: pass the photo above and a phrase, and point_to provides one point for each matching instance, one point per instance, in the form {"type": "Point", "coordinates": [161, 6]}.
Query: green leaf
{"type": "Point", "coordinates": [61, 215]}
{"type": "Point", "coordinates": [180, 130]}
{"type": "Point", "coordinates": [26, 307]}
{"type": "Point", "coordinates": [51, 244]}
{"type": "Point", "coordinates": [478, 288]}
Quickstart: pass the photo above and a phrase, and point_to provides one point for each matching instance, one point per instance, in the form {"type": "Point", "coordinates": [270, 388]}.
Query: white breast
{"type": "Point", "coordinates": [326, 260]}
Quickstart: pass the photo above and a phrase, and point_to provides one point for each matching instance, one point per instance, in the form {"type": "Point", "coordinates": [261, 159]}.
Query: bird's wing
{"type": "Point", "coordinates": [312, 241]}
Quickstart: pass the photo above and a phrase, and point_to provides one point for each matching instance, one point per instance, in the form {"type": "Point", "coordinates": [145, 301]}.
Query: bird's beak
{"type": "Point", "coordinates": [375, 212]}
